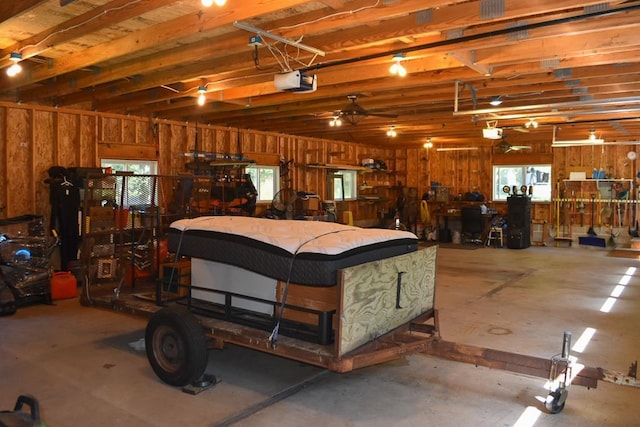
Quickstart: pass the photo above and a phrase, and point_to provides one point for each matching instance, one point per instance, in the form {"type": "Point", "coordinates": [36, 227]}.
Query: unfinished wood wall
{"type": "Point", "coordinates": [34, 138]}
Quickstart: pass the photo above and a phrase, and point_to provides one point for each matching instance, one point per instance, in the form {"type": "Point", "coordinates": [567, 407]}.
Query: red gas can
{"type": "Point", "coordinates": [63, 285]}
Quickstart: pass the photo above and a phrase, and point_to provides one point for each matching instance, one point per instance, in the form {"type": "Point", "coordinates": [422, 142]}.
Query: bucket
{"type": "Point", "coordinates": [63, 285]}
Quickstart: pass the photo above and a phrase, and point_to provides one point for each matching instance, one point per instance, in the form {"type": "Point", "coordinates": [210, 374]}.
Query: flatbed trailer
{"type": "Point", "coordinates": [379, 311]}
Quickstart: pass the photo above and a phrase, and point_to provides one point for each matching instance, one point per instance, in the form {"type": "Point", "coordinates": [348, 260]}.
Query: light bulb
{"type": "Point", "coordinates": [496, 101]}
{"type": "Point", "coordinates": [202, 90]}
{"type": "Point", "coordinates": [220, 2]}
{"type": "Point", "coordinates": [398, 69]}
{"type": "Point", "coordinates": [14, 70]}
{"type": "Point", "coordinates": [207, 3]}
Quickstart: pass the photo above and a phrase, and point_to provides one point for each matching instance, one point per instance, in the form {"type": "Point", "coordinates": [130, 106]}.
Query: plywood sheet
{"type": "Point", "coordinates": [370, 306]}
{"type": "Point", "coordinates": [20, 197]}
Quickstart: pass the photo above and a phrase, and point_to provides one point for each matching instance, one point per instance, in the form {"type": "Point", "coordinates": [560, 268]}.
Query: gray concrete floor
{"type": "Point", "coordinates": [78, 362]}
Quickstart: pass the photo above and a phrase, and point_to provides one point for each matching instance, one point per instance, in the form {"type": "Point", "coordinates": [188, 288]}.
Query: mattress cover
{"type": "Point", "coordinates": [304, 252]}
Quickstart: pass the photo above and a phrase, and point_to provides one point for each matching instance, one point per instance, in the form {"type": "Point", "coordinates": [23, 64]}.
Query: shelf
{"type": "Point", "coordinates": [335, 166]}
{"type": "Point", "coordinates": [599, 180]}
{"type": "Point", "coordinates": [372, 199]}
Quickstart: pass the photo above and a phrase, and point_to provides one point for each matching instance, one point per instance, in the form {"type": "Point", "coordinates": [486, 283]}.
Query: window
{"type": "Point", "coordinates": [139, 188]}
{"type": "Point", "coordinates": [536, 177]}
{"type": "Point", "coordinates": [266, 179]}
{"type": "Point", "coordinates": [138, 167]}
{"type": "Point", "coordinates": [343, 185]}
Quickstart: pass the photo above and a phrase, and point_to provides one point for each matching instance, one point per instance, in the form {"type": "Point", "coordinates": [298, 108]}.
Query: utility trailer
{"type": "Point", "coordinates": [377, 311]}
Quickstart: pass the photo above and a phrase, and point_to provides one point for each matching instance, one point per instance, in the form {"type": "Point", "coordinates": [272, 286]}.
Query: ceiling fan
{"type": "Point", "coordinates": [354, 112]}
{"type": "Point", "coordinates": [505, 147]}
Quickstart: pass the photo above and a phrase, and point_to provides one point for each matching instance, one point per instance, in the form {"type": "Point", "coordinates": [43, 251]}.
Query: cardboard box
{"type": "Point", "coordinates": [311, 204]}
{"type": "Point", "coordinates": [577, 176]}
{"type": "Point", "coordinates": [101, 214]}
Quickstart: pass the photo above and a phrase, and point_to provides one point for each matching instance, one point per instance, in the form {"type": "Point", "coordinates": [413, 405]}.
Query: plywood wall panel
{"type": "Point", "coordinates": [68, 134]}
{"type": "Point", "coordinates": [111, 128]}
{"type": "Point", "coordinates": [44, 156]}
{"type": "Point", "coordinates": [144, 133]}
{"type": "Point", "coordinates": [88, 150]}
{"type": "Point", "coordinates": [3, 163]}
{"type": "Point", "coordinates": [129, 131]}
{"type": "Point", "coordinates": [19, 165]}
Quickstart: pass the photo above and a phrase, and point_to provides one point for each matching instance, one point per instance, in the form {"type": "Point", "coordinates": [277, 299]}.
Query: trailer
{"type": "Point", "coordinates": [378, 311]}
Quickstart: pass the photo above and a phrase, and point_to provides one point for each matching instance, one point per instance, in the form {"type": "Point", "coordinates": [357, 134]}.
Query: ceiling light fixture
{"type": "Point", "coordinates": [335, 121]}
{"type": "Point", "coordinates": [202, 98]}
{"type": "Point", "coordinates": [591, 140]}
{"type": "Point", "coordinates": [495, 101]}
{"type": "Point", "coordinates": [209, 3]}
{"type": "Point", "coordinates": [15, 68]}
{"type": "Point", "coordinates": [392, 132]}
{"type": "Point", "coordinates": [531, 124]}
{"type": "Point", "coordinates": [397, 68]}
{"type": "Point", "coordinates": [428, 144]}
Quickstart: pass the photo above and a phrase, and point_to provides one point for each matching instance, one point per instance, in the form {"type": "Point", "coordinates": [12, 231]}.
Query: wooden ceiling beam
{"type": "Point", "coordinates": [12, 9]}
{"type": "Point", "coordinates": [150, 37]}
{"type": "Point", "coordinates": [95, 19]}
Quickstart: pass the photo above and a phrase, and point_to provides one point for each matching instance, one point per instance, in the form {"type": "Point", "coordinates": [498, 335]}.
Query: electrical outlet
{"type": "Point", "coordinates": [255, 41]}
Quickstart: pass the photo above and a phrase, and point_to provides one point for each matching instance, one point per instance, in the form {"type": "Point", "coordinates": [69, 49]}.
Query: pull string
{"type": "Point", "coordinates": [273, 338]}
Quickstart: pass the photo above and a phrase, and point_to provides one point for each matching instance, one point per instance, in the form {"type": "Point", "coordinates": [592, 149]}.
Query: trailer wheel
{"type": "Point", "coordinates": [176, 346]}
{"type": "Point", "coordinates": [556, 400]}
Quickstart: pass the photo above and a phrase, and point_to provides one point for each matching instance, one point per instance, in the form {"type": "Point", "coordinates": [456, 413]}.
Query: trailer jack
{"type": "Point", "coordinates": [561, 367]}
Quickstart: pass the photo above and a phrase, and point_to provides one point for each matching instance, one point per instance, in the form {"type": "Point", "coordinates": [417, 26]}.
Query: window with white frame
{"type": "Point", "coordinates": [535, 177]}
{"type": "Point", "coordinates": [343, 185]}
{"type": "Point", "coordinates": [140, 185]}
{"type": "Point", "coordinates": [266, 179]}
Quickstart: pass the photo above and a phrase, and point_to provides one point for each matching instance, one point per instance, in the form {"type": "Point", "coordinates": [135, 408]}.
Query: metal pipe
{"type": "Point", "coordinates": [566, 344]}
{"type": "Point", "coordinates": [591, 103]}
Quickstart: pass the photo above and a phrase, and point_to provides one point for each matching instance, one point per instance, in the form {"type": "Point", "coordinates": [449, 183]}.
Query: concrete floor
{"type": "Point", "coordinates": [79, 363]}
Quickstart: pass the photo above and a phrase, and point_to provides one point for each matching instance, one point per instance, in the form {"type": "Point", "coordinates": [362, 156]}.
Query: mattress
{"type": "Point", "coordinates": [302, 252]}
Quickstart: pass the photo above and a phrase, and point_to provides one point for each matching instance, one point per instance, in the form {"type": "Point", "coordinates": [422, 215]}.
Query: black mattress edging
{"type": "Point", "coordinates": [312, 269]}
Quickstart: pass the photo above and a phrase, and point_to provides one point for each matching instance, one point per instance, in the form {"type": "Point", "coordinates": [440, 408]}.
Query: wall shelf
{"type": "Point", "coordinates": [335, 166]}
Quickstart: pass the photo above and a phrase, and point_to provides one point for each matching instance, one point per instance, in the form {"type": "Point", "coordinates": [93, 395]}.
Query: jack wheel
{"type": "Point", "coordinates": [556, 400]}
{"type": "Point", "coordinates": [176, 347]}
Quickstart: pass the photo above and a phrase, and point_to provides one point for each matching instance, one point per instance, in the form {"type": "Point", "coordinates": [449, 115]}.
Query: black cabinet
{"type": "Point", "coordinates": [518, 222]}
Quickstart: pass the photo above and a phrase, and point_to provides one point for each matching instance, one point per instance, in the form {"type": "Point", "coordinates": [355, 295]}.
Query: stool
{"type": "Point", "coordinates": [495, 233]}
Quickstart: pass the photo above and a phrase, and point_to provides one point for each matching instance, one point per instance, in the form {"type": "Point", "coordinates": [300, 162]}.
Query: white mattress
{"type": "Point", "coordinates": [294, 236]}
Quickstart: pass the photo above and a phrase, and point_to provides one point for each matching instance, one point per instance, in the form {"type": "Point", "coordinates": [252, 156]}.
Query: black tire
{"type": "Point", "coordinates": [176, 346]}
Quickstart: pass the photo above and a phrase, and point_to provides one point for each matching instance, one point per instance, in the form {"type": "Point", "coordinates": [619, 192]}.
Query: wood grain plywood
{"type": "Point", "coordinates": [19, 164]}
{"type": "Point", "coordinates": [68, 139]}
{"type": "Point", "coordinates": [369, 306]}
{"type": "Point", "coordinates": [43, 157]}
{"type": "Point", "coordinates": [88, 137]}
{"type": "Point", "coordinates": [3, 162]}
